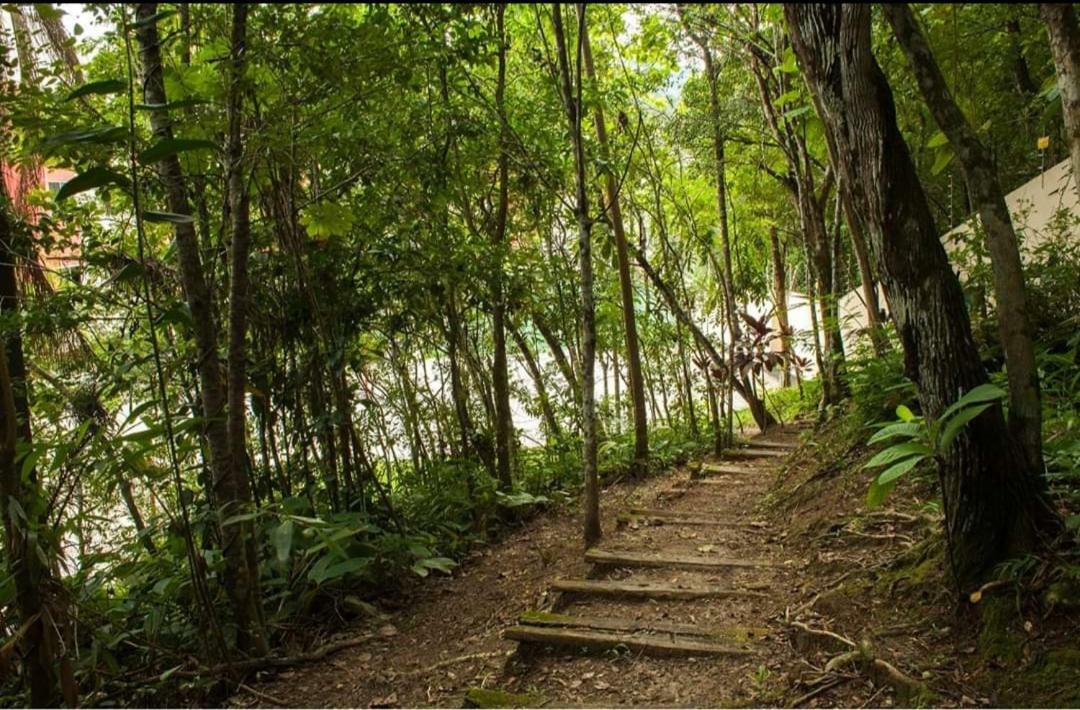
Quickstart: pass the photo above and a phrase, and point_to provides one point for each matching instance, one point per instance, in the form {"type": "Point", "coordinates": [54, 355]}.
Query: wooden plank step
{"type": "Point", "coordinates": [683, 514]}
{"type": "Point", "coordinates": [719, 469]}
{"type": "Point", "coordinates": [785, 445]}
{"type": "Point", "coordinates": [639, 559]}
{"type": "Point", "coordinates": [741, 634]}
{"type": "Point", "coordinates": [724, 481]}
{"type": "Point", "coordinates": [600, 640]}
{"type": "Point", "coordinates": [751, 453]}
{"type": "Point", "coordinates": [649, 590]}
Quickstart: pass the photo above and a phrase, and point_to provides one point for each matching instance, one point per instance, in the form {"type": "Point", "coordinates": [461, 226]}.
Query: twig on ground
{"type": "Point", "coordinates": [264, 696]}
{"type": "Point", "coordinates": [454, 661]}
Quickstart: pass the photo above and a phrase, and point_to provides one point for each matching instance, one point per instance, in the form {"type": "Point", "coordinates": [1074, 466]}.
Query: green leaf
{"type": "Point", "coordinates": [897, 452]}
{"type": "Point", "coordinates": [171, 146]}
{"type": "Point", "coordinates": [956, 424]}
{"type": "Point", "coordinates": [877, 493]}
{"type": "Point", "coordinates": [105, 86]}
{"type": "Point", "coordinates": [282, 539]}
{"type": "Point", "coordinates": [92, 178]}
{"type": "Point", "coordinates": [169, 217]}
{"type": "Point", "coordinates": [906, 429]}
{"type": "Point", "coordinates": [944, 157]}
{"type": "Point", "coordinates": [101, 135]}
{"type": "Point", "coordinates": [938, 140]}
{"type": "Point", "coordinates": [983, 393]}
{"type": "Point", "coordinates": [904, 414]}
{"type": "Point", "coordinates": [897, 470]}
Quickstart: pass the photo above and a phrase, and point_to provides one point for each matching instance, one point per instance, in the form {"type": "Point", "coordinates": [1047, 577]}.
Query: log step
{"type": "Point", "coordinates": [739, 634]}
{"type": "Point", "coordinates": [784, 445]}
{"type": "Point", "coordinates": [649, 590]}
{"type": "Point", "coordinates": [603, 640]}
{"type": "Point", "coordinates": [677, 517]}
{"type": "Point", "coordinates": [638, 559]}
{"type": "Point", "coordinates": [752, 453]}
{"type": "Point", "coordinates": [719, 469]}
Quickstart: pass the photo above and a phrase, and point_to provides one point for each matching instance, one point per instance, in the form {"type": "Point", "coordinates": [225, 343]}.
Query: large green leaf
{"type": "Point", "coordinates": [956, 424]}
{"type": "Point", "coordinates": [983, 393]}
{"type": "Point", "coordinates": [92, 178]}
{"type": "Point", "coordinates": [282, 539]}
{"type": "Point", "coordinates": [105, 86]}
{"type": "Point", "coordinates": [905, 429]}
{"type": "Point", "coordinates": [897, 470]}
{"type": "Point", "coordinates": [897, 452]}
{"type": "Point", "coordinates": [171, 146]}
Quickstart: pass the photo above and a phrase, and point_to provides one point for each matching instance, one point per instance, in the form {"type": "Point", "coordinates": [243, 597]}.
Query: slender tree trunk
{"type": "Point", "coordinates": [1060, 20]}
{"type": "Point", "coordinates": [780, 296]}
{"type": "Point", "coordinates": [867, 281]}
{"type": "Point", "coordinates": [994, 502]}
{"type": "Point", "coordinates": [762, 417]}
{"type": "Point", "coordinates": [504, 426]}
{"type": "Point", "coordinates": [571, 98]}
{"type": "Point", "coordinates": [232, 492]}
{"type": "Point", "coordinates": [538, 379]}
{"type": "Point", "coordinates": [1025, 411]}
{"type": "Point", "coordinates": [626, 284]}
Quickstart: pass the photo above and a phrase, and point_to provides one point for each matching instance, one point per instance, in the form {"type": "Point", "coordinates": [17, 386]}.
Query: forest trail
{"type": "Point", "coordinates": [678, 605]}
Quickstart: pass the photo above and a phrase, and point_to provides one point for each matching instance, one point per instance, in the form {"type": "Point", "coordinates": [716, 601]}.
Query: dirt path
{"type": "Point", "coordinates": [449, 637]}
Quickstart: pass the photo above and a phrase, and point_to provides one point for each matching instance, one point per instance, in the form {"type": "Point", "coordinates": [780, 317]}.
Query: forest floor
{"type": "Point", "coordinates": [819, 564]}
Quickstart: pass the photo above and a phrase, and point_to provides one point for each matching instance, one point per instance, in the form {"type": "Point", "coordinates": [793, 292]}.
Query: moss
{"type": "Point", "coordinates": [1052, 681]}
{"type": "Point", "coordinates": [912, 570]}
{"type": "Point", "coordinates": [996, 639]}
{"type": "Point", "coordinates": [544, 617]}
{"type": "Point", "coordinates": [494, 698]}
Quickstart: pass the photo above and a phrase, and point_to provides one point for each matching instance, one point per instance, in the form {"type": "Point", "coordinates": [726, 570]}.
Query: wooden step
{"type": "Point", "coordinates": [649, 590]}
{"type": "Point", "coordinates": [723, 481]}
{"type": "Point", "coordinates": [603, 640]}
{"type": "Point", "coordinates": [741, 634]}
{"type": "Point", "coordinates": [752, 453]}
{"type": "Point", "coordinates": [664, 514]}
{"type": "Point", "coordinates": [639, 559]}
{"type": "Point", "coordinates": [719, 469]}
{"type": "Point", "coordinates": [765, 444]}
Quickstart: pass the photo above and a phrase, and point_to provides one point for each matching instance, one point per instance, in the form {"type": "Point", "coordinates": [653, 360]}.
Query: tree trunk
{"type": "Point", "coordinates": [780, 296]}
{"type": "Point", "coordinates": [571, 98]}
{"type": "Point", "coordinates": [867, 281]}
{"type": "Point", "coordinates": [232, 492]}
{"type": "Point", "coordinates": [504, 426]}
{"type": "Point", "coordinates": [538, 379]}
{"type": "Point", "coordinates": [1061, 25]}
{"type": "Point", "coordinates": [761, 415]}
{"type": "Point", "coordinates": [994, 502]}
{"type": "Point", "coordinates": [1025, 411]}
{"type": "Point", "coordinates": [29, 576]}
{"type": "Point", "coordinates": [626, 284]}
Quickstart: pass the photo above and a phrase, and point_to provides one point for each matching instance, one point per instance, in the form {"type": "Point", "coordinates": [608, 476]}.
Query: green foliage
{"type": "Point", "coordinates": [922, 439]}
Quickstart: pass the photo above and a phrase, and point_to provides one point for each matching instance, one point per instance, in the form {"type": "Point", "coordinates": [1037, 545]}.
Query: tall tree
{"type": "Point", "coordinates": [504, 425]}
{"type": "Point", "coordinates": [994, 501]}
{"type": "Point", "coordinates": [626, 284]}
{"type": "Point", "coordinates": [570, 91]}
{"type": "Point", "coordinates": [976, 162]}
{"type": "Point", "coordinates": [1060, 19]}
{"type": "Point", "coordinates": [232, 493]}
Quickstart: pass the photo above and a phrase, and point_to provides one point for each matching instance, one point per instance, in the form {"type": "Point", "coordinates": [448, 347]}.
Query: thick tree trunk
{"type": "Point", "coordinates": [626, 284]}
{"type": "Point", "coordinates": [29, 576]}
{"type": "Point", "coordinates": [994, 504]}
{"type": "Point", "coordinates": [232, 492]}
{"type": "Point", "coordinates": [1025, 411]}
{"type": "Point", "coordinates": [1061, 25]}
{"type": "Point", "coordinates": [504, 426]}
{"type": "Point", "coordinates": [571, 98]}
